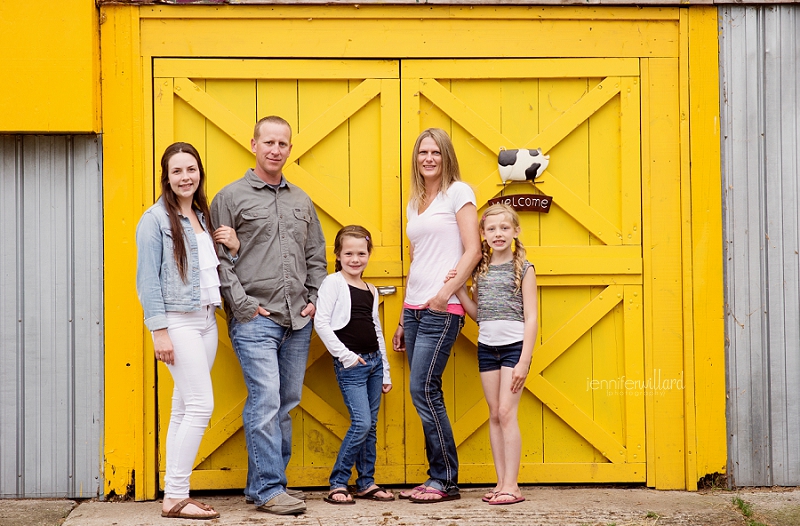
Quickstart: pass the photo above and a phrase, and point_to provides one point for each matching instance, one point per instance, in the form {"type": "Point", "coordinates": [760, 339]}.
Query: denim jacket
{"type": "Point", "coordinates": [158, 281]}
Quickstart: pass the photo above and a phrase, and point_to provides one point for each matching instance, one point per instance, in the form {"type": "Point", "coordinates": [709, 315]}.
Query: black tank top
{"type": "Point", "coordinates": [359, 333]}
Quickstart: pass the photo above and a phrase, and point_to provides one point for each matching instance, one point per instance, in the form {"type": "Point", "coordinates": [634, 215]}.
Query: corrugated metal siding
{"type": "Point", "coordinates": [760, 114]}
{"type": "Point", "coordinates": [51, 316]}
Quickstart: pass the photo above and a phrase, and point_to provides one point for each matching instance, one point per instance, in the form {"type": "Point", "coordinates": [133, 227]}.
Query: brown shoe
{"type": "Point", "coordinates": [283, 504]}
{"type": "Point", "coordinates": [296, 493]}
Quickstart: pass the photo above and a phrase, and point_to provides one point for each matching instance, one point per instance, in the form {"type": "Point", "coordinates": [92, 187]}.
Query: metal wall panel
{"type": "Point", "coordinates": [760, 119]}
{"type": "Point", "coordinates": [51, 316]}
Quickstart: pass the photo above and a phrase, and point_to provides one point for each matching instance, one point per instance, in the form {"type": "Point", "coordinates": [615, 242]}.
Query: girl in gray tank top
{"type": "Point", "coordinates": [504, 303]}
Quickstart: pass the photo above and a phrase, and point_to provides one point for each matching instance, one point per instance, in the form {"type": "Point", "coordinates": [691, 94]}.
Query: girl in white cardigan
{"type": "Point", "coordinates": [348, 323]}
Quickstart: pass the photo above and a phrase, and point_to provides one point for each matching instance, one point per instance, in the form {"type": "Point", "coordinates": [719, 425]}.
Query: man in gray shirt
{"type": "Point", "coordinates": [269, 293]}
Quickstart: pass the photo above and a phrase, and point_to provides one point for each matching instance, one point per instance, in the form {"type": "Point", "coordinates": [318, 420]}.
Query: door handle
{"type": "Point", "coordinates": [386, 290]}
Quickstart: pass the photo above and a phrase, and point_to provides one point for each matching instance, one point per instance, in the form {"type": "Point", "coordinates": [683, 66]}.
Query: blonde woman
{"type": "Point", "coordinates": [443, 232]}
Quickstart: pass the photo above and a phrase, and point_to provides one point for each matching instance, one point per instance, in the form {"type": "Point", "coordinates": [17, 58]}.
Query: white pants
{"type": "Point", "coordinates": [194, 340]}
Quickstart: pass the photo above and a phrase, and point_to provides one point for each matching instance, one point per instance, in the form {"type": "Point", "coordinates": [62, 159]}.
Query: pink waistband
{"type": "Point", "coordinates": [452, 308]}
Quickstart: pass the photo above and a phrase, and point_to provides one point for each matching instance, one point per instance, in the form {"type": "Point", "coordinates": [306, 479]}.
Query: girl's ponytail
{"type": "Point", "coordinates": [483, 265]}
{"type": "Point", "coordinates": [519, 263]}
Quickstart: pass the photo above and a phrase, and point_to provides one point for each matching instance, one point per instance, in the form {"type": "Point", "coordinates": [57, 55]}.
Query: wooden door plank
{"type": "Point", "coordinates": [525, 68]}
{"type": "Point", "coordinates": [569, 332]}
{"type": "Point", "coordinates": [219, 432]}
{"type": "Point", "coordinates": [630, 130]}
{"type": "Point", "coordinates": [390, 176]}
{"type": "Point", "coordinates": [663, 292]}
{"type": "Point", "coordinates": [333, 117]}
{"type": "Point", "coordinates": [163, 106]}
{"type": "Point", "coordinates": [634, 370]}
{"type": "Point", "coordinates": [578, 420]}
{"type": "Point", "coordinates": [576, 115]}
{"type": "Point", "coordinates": [214, 111]}
{"type": "Point", "coordinates": [284, 69]}
{"type": "Point", "coordinates": [464, 115]}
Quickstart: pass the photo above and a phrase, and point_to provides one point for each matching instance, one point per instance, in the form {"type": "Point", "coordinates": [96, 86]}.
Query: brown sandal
{"type": "Point", "coordinates": [177, 511]}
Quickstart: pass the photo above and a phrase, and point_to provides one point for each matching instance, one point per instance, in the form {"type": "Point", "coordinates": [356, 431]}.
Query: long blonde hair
{"type": "Point", "coordinates": [450, 170]}
{"type": "Point", "coordinates": [519, 248]}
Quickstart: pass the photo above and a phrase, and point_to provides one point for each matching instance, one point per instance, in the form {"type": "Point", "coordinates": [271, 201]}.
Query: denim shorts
{"type": "Point", "coordinates": [493, 357]}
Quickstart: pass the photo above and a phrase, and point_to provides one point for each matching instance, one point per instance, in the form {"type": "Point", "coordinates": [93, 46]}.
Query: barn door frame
{"type": "Point", "coordinates": [619, 266]}
{"type": "Point", "coordinates": [377, 79]}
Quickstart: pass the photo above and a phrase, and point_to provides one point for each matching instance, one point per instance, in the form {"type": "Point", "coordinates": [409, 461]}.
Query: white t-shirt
{"type": "Point", "coordinates": [437, 243]}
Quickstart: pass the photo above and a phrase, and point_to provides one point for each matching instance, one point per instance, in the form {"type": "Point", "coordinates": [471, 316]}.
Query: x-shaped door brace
{"type": "Point", "coordinates": [333, 117]}
{"type": "Point", "coordinates": [574, 205]}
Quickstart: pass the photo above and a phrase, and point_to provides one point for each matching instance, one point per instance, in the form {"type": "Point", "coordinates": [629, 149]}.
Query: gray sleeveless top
{"type": "Point", "coordinates": [497, 300]}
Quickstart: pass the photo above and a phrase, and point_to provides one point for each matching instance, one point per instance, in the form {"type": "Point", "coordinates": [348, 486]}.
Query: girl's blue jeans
{"type": "Point", "coordinates": [361, 389]}
{"type": "Point", "coordinates": [429, 337]}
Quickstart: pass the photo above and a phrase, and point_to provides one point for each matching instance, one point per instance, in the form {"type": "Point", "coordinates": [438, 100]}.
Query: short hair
{"type": "Point", "coordinates": [274, 119]}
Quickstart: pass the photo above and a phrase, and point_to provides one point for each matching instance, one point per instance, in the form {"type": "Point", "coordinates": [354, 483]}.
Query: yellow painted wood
{"type": "Point", "coordinates": [214, 111]}
{"type": "Point", "coordinates": [391, 225]}
{"type": "Point", "coordinates": [567, 375]}
{"type": "Point", "coordinates": [588, 280]}
{"type": "Point", "coordinates": [129, 443]}
{"type": "Point", "coordinates": [609, 204]}
{"type": "Point", "coordinates": [706, 214]}
{"type": "Point", "coordinates": [463, 115]}
{"type": "Point", "coordinates": [568, 413]}
{"type": "Point", "coordinates": [568, 334]}
{"type": "Point", "coordinates": [634, 370]}
{"type": "Point", "coordinates": [228, 68]}
{"type": "Point", "coordinates": [524, 68]}
{"type": "Point", "coordinates": [418, 36]}
{"type": "Point", "coordinates": [399, 12]}
{"type": "Point", "coordinates": [690, 437]}
{"type": "Point", "coordinates": [581, 211]}
{"type": "Point", "coordinates": [630, 125]}
{"type": "Point", "coordinates": [164, 105]}
{"type": "Point", "coordinates": [561, 473]}
{"type": "Point", "coordinates": [577, 114]}
{"type": "Point", "coordinates": [663, 290]}
{"type": "Point", "coordinates": [50, 64]}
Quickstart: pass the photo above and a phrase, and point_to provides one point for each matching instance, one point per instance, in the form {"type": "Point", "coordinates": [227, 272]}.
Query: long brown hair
{"type": "Point", "coordinates": [519, 248]}
{"type": "Point", "coordinates": [450, 170]}
{"type": "Point", "coordinates": [199, 201]}
{"type": "Point", "coordinates": [356, 231]}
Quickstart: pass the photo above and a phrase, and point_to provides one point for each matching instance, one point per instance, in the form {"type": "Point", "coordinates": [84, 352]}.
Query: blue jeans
{"type": "Point", "coordinates": [273, 360]}
{"type": "Point", "coordinates": [429, 337]}
{"type": "Point", "coordinates": [361, 389]}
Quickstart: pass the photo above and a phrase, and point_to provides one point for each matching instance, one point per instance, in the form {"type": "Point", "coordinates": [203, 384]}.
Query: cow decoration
{"type": "Point", "coordinates": [521, 165]}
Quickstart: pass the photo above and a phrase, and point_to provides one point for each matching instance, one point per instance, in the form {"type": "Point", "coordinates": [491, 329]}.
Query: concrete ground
{"type": "Point", "coordinates": [545, 505]}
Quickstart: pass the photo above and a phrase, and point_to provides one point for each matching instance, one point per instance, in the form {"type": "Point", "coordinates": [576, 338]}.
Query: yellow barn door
{"type": "Point", "coordinates": [345, 156]}
{"type": "Point", "coordinates": [582, 415]}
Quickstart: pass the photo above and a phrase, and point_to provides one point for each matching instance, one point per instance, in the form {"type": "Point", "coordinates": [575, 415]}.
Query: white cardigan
{"type": "Point", "coordinates": [333, 313]}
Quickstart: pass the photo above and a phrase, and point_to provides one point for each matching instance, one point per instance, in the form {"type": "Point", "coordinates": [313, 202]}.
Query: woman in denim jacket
{"type": "Point", "coordinates": [178, 286]}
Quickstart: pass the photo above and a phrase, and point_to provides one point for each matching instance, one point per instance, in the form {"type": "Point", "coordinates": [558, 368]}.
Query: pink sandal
{"type": "Point", "coordinates": [407, 494]}
{"type": "Point", "coordinates": [442, 496]}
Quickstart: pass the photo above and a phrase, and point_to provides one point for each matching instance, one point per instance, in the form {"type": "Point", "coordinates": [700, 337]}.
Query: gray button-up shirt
{"type": "Point", "coordinates": [281, 261]}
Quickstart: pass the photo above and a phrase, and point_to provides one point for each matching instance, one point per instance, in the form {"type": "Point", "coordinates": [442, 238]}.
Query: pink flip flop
{"type": "Point", "coordinates": [513, 500]}
{"type": "Point", "coordinates": [443, 496]}
{"type": "Point", "coordinates": [407, 494]}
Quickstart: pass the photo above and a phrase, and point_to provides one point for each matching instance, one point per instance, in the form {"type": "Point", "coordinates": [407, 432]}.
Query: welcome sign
{"type": "Point", "coordinates": [525, 202]}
